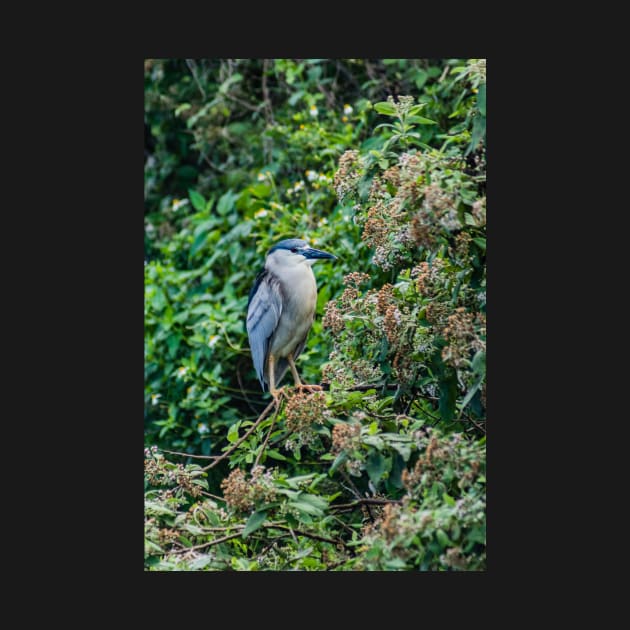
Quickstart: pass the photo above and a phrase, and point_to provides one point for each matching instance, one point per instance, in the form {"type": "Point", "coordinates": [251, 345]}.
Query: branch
{"type": "Point", "coordinates": [265, 92]}
{"type": "Point", "coordinates": [191, 66]}
{"type": "Point", "coordinates": [365, 502]}
{"type": "Point", "coordinates": [308, 534]}
{"type": "Point", "coordinates": [264, 444]}
{"type": "Point", "coordinates": [217, 541]}
{"type": "Point", "coordinates": [221, 457]}
{"type": "Point", "coordinates": [189, 454]}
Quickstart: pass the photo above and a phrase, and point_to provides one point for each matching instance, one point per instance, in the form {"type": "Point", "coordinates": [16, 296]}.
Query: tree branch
{"type": "Point", "coordinates": [365, 502]}
{"type": "Point", "coordinates": [221, 457]}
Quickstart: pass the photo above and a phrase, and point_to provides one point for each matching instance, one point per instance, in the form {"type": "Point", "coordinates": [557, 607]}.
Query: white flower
{"type": "Point", "coordinates": [214, 338]}
{"type": "Point", "coordinates": [313, 111]}
{"type": "Point", "coordinates": [261, 177]}
{"type": "Point", "coordinates": [311, 175]}
{"type": "Point", "coordinates": [260, 213]}
{"type": "Point", "coordinates": [298, 186]}
{"type": "Point", "coordinates": [202, 427]}
{"type": "Point", "coordinates": [181, 371]}
{"type": "Point", "coordinates": [323, 221]}
{"type": "Point", "coordinates": [323, 178]}
{"type": "Point", "coordinates": [178, 203]}
{"type": "Point", "coordinates": [154, 398]}
{"type": "Point", "coordinates": [347, 109]}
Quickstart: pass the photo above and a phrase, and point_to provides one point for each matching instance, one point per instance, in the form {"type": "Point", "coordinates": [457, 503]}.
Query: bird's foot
{"type": "Point", "coordinates": [309, 388]}
{"type": "Point", "coordinates": [277, 395]}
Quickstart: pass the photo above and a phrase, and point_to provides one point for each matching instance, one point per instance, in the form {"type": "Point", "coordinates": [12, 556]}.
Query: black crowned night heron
{"type": "Point", "coordinates": [280, 311]}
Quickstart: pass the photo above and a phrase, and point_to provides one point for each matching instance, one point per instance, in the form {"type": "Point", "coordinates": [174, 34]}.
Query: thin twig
{"type": "Point", "coordinates": [478, 426]}
{"type": "Point", "coordinates": [217, 541]}
{"type": "Point", "coordinates": [189, 454]}
{"type": "Point", "coordinates": [299, 532]}
{"type": "Point", "coordinates": [365, 502]}
{"type": "Point", "coordinates": [212, 496]}
{"type": "Point", "coordinates": [265, 92]}
{"type": "Point", "coordinates": [244, 103]}
{"type": "Point", "coordinates": [221, 457]}
{"type": "Point", "coordinates": [264, 444]}
{"type": "Point", "coordinates": [191, 66]}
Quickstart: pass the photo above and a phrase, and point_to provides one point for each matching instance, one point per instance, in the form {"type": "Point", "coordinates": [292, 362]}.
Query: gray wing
{"type": "Point", "coordinates": [263, 314]}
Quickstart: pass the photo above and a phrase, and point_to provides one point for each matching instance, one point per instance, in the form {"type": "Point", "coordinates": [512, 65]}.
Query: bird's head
{"type": "Point", "coordinates": [294, 251]}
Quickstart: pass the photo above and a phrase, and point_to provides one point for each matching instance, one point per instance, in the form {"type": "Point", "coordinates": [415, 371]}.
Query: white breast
{"type": "Point", "coordinates": [299, 300]}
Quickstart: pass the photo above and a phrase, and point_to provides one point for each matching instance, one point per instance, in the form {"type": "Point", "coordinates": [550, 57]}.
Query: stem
{"type": "Point", "coordinates": [262, 416]}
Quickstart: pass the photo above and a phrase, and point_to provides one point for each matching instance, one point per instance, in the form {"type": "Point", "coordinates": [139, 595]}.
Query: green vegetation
{"type": "Point", "coordinates": [381, 162]}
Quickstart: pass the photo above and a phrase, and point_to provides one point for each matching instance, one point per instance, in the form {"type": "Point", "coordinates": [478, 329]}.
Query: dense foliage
{"type": "Point", "coordinates": [381, 162]}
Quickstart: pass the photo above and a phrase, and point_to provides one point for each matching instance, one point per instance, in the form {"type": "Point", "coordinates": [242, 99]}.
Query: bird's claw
{"type": "Point", "coordinates": [277, 395]}
{"type": "Point", "coordinates": [309, 388]}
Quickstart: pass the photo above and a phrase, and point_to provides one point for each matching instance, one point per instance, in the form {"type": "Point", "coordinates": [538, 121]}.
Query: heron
{"type": "Point", "coordinates": [281, 310]}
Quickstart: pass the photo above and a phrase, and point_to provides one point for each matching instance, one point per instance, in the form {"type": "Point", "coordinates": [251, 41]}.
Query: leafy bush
{"type": "Point", "coordinates": [385, 469]}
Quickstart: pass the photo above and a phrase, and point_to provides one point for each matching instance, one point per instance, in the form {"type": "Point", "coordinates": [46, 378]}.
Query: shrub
{"type": "Point", "coordinates": [384, 469]}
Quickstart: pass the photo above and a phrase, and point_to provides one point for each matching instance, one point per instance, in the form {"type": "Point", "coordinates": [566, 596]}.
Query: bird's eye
{"type": "Point", "coordinates": [294, 250]}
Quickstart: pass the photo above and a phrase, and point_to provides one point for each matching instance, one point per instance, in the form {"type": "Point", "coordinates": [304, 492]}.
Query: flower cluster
{"type": "Point", "coordinates": [348, 174]}
{"type": "Point", "coordinates": [479, 211]}
{"type": "Point", "coordinates": [463, 337]}
{"type": "Point", "coordinates": [242, 494]}
{"type": "Point", "coordinates": [346, 436]}
{"type": "Point", "coordinates": [302, 411]}
{"type": "Point", "coordinates": [158, 471]}
{"type": "Point", "coordinates": [297, 187]}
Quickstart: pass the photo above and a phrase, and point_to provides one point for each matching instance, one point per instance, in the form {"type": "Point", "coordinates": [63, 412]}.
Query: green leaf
{"type": "Point", "coordinates": [314, 500]}
{"type": "Point", "coordinates": [274, 454]}
{"type": "Point", "coordinates": [375, 466]}
{"type": "Point", "coordinates": [200, 563]}
{"type": "Point", "coordinates": [201, 309]}
{"type": "Point", "coordinates": [481, 99]}
{"type": "Point", "coordinates": [385, 108]}
{"type": "Point", "coordinates": [198, 243]}
{"type": "Point", "coordinates": [198, 201]}
{"type": "Point", "coordinates": [235, 78]}
{"type": "Point", "coordinates": [226, 203]}
{"type": "Point", "coordinates": [479, 363]}
{"type": "Point", "coordinates": [472, 391]}
{"type": "Point", "coordinates": [395, 563]}
{"type": "Point", "coordinates": [306, 508]}
{"type": "Point", "coordinates": [481, 242]}
{"type": "Point", "coordinates": [232, 435]}
{"type": "Point", "coordinates": [254, 522]}
{"type": "Point", "coordinates": [448, 499]}
{"type": "Point", "coordinates": [340, 459]}
{"type": "Point", "coordinates": [448, 396]}
{"type": "Point", "coordinates": [421, 120]}
{"type": "Point", "coordinates": [442, 538]}
{"type": "Point", "coordinates": [182, 108]}
{"type": "Point", "coordinates": [421, 78]}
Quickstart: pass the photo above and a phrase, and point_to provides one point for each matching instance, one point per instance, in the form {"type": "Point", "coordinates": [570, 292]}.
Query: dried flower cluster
{"type": "Point", "coordinates": [346, 437]}
{"type": "Point", "coordinates": [242, 494]}
{"type": "Point", "coordinates": [449, 458]}
{"type": "Point", "coordinates": [479, 211]}
{"type": "Point", "coordinates": [305, 409]}
{"type": "Point", "coordinates": [348, 174]}
{"type": "Point", "coordinates": [463, 337]}
{"type": "Point", "coordinates": [160, 472]}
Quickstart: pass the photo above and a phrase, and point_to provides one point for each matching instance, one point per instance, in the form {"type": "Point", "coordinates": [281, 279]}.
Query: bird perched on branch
{"type": "Point", "coordinates": [281, 310]}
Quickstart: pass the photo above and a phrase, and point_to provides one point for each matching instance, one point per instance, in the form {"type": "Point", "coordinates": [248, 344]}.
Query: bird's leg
{"type": "Point", "coordinates": [296, 378]}
{"type": "Point", "coordinates": [275, 393]}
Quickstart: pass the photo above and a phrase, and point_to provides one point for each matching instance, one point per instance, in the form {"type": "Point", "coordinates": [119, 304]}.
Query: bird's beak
{"type": "Point", "coordinates": [309, 252]}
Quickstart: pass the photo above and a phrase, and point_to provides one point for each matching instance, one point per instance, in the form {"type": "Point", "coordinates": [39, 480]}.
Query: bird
{"type": "Point", "coordinates": [281, 310]}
